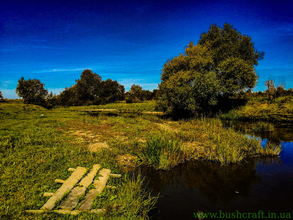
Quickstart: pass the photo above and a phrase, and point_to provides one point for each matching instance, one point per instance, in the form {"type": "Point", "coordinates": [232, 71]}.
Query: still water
{"type": "Point", "coordinates": [262, 187]}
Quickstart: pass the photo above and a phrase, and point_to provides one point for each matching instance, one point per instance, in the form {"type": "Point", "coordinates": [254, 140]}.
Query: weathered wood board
{"type": "Point", "coordinates": [77, 190]}
{"type": "Point", "coordinates": [65, 188]}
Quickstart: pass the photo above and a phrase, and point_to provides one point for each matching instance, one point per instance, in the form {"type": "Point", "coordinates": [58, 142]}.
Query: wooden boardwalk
{"type": "Point", "coordinates": [75, 186]}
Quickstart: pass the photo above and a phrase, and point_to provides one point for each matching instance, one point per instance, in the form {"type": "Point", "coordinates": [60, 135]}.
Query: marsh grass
{"type": "Point", "coordinates": [263, 127]}
{"type": "Point", "coordinates": [271, 149]}
{"type": "Point", "coordinates": [163, 152]}
{"type": "Point", "coordinates": [279, 109]}
{"type": "Point", "coordinates": [129, 200]}
{"type": "Point", "coordinates": [219, 144]}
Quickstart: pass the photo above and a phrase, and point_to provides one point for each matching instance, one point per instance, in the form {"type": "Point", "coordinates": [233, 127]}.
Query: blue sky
{"type": "Point", "coordinates": [129, 41]}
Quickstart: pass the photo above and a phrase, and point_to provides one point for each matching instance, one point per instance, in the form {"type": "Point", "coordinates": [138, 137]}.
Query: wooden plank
{"type": "Point", "coordinates": [48, 194]}
{"type": "Point", "coordinates": [99, 186]}
{"type": "Point", "coordinates": [78, 191]}
{"type": "Point", "coordinates": [59, 181]}
{"type": "Point", "coordinates": [71, 169]}
{"type": "Point", "coordinates": [65, 188]}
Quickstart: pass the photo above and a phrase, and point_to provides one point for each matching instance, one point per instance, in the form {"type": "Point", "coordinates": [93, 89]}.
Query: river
{"type": "Point", "coordinates": [255, 188]}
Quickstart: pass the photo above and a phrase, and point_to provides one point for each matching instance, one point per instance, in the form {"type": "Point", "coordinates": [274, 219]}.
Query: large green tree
{"type": "Point", "coordinates": [91, 89]}
{"type": "Point", "coordinates": [32, 91]}
{"type": "Point", "coordinates": [135, 94]}
{"type": "Point", "coordinates": [111, 91]}
{"type": "Point", "coordinates": [88, 86]}
{"type": "Point", "coordinates": [221, 64]}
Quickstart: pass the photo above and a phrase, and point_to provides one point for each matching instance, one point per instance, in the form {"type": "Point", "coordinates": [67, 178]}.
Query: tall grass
{"type": "Point", "coordinates": [129, 200]}
{"type": "Point", "coordinates": [280, 109]}
{"type": "Point", "coordinates": [163, 152]}
{"type": "Point", "coordinates": [223, 145]}
{"type": "Point", "coordinates": [271, 149]}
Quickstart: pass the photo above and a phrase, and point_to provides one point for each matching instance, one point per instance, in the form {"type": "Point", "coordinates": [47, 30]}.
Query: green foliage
{"type": "Point", "coordinates": [187, 84]}
{"type": "Point", "coordinates": [90, 89]}
{"type": "Point", "coordinates": [67, 97]}
{"type": "Point", "coordinates": [130, 200]}
{"type": "Point", "coordinates": [221, 64]}
{"type": "Point", "coordinates": [135, 94]}
{"type": "Point", "coordinates": [32, 91]}
{"type": "Point", "coordinates": [227, 42]}
{"type": "Point", "coordinates": [163, 153]}
{"type": "Point", "coordinates": [280, 91]}
{"type": "Point", "coordinates": [1, 96]}
{"type": "Point", "coordinates": [260, 108]}
{"type": "Point", "coordinates": [87, 87]}
{"type": "Point", "coordinates": [270, 84]}
{"type": "Point", "coordinates": [111, 91]}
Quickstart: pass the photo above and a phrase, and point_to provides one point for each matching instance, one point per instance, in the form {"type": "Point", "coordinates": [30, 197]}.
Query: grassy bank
{"type": "Point", "coordinates": [39, 145]}
{"type": "Point", "coordinates": [279, 109]}
{"type": "Point", "coordinates": [121, 106]}
{"type": "Point", "coordinates": [35, 150]}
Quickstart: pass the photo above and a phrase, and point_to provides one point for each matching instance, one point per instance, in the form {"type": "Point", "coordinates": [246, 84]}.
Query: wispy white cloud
{"type": "Point", "coordinates": [59, 70]}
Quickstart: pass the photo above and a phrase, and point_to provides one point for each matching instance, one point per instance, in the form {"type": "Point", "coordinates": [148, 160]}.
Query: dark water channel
{"type": "Point", "coordinates": [262, 187]}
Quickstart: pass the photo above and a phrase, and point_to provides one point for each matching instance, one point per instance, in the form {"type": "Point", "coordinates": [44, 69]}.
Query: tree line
{"type": "Point", "coordinates": [273, 91]}
{"type": "Point", "coordinates": [208, 75]}
{"type": "Point", "coordinates": [90, 89]}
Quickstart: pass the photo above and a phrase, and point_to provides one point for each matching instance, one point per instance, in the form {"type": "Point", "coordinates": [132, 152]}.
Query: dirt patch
{"type": "Point", "coordinates": [166, 127]}
{"type": "Point", "coordinates": [95, 144]}
{"type": "Point", "coordinates": [126, 160]}
{"type": "Point", "coordinates": [95, 147]}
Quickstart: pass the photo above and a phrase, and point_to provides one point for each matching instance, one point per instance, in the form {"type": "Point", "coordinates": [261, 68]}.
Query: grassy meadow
{"type": "Point", "coordinates": [38, 145]}
{"type": "Point", "coordinates": [259, 108]}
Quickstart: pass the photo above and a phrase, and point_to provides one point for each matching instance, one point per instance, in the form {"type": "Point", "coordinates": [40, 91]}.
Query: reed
{"type": "Point", "coordinates": [271, 149]}
{"type": "Point", "coordinates": [162, 152]}
{"type": "Point", "coordinates": [263, 127]}
{"type": "Point", "coordinates": [279, 109]}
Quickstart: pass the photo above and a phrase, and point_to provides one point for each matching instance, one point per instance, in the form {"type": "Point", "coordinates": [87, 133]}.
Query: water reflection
{"type": "Point", "coordinates": [256, 184]}
{"type": "Point", "coordinates": [209, 187]}
{"type": "Point", "coordinates": [215, 182]}
{"type": "Point", "coordinates": [281, 132]}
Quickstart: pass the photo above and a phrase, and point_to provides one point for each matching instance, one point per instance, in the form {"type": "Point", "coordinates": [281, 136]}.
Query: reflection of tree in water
{"type": "Point", "coordinates": [217, 183]}
{"type": "Point", "coordinates": [282, 132]}
{"type": "Point", "coordinates": [269, 161]}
